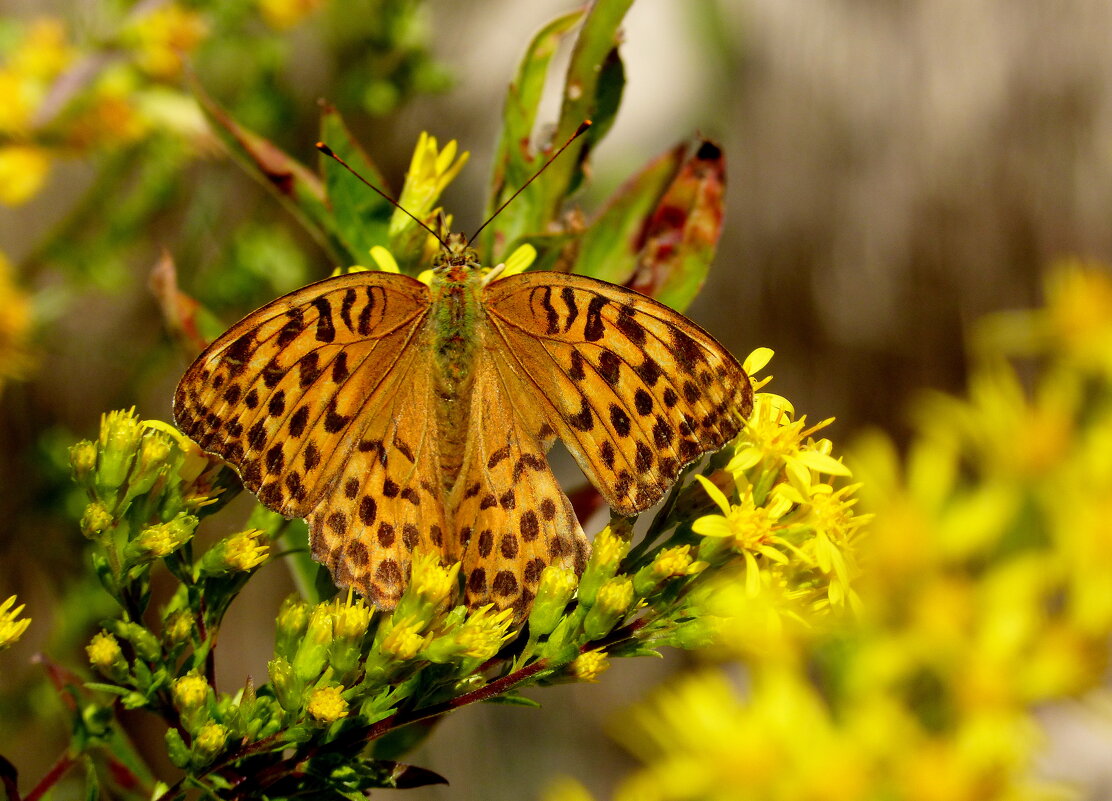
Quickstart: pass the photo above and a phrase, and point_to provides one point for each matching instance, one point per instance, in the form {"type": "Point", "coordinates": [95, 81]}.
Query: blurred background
{"type": "Point", "coordinates": [895, 170]}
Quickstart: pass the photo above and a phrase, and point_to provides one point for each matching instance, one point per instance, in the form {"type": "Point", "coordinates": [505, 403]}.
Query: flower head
{"type": "Point", "coordinates": [11, 627]}
{"type": "Point", "coordinates": [327, 704]}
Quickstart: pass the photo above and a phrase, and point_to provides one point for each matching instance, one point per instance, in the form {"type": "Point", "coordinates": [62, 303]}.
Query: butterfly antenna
{"type": "Point", "coordinates": [582, 129]}
{"type": "Point", "coordinates": [326, 150]}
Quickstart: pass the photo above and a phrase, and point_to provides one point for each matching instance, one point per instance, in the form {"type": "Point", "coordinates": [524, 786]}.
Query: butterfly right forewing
{"type": "Point", "coordinates": [634, 389]}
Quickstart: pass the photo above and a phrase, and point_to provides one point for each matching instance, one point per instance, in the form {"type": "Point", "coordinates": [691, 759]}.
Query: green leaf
{"type": "Point", "coordinates": [682, 234]}
{"type": "Point", "coordinates": [514, 161]}
{"type": "Point", "coordinates": [295, 185]}
{"type": "Point", "coordinates": [513, 700]}
{"type": "Point", "coordinates": [608, 248]}
{"type": "Point", "coordinates": [361, 216]}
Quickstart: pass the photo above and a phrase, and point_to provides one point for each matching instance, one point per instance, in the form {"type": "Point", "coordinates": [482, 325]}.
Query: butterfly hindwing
{"type": "Point", "coordinates": [512, 518]}
{"type": "Point", "coordinates": [387, 499]}
{"type": "Point", "coordinates": [634, 389]}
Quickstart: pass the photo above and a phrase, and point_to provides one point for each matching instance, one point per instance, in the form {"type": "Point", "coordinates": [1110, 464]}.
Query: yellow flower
{"type": "Point", "coordinates": [11, 629]}
{"type": "Point", "coordinates": [44, 50]}
{"type": "Point", "coordinates": [404, 640]}
{"type": "Point", "coordinates": [246, 550]}
{"type": "Point", "coordinates": [163, 37]}
{"type": "Point", "coordinates": [23, 170]}
{"type": "Point", "coordinates": [106, 656]}
{"type": "Point", "coordinates": [327, 704]}
{"type": "Point", "coordinates": [284, 14]}
{"type": "Point", "coordinates": [430, 171]}
{"type": "Point", "coordinates": [590, 665]}
{"type": "Point", "coordinates": [190, 692]}
{"type": "Point", "coordinates": [749, 529]}
{"type": "Point", "coordinates": [210, 740]}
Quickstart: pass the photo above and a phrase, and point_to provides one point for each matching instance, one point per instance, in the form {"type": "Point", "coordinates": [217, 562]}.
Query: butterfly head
{"type": "Point", "coordinates": [457, 255]}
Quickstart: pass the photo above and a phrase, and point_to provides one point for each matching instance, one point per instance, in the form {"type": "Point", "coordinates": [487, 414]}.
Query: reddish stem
{"type": "Point", "coordinates": [64, 763]}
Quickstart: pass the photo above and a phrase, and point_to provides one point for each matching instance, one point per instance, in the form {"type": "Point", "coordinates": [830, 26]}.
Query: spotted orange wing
{"type": "Point", "coordinates": [512, 519]}
{"type": "Point", "coordinates": [634, 389]}
{"type": "Point", "coordinates": [321, 401]}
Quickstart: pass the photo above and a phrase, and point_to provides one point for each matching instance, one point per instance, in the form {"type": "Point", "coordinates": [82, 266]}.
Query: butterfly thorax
{"type": "Point", "coordinates": [455, 288]}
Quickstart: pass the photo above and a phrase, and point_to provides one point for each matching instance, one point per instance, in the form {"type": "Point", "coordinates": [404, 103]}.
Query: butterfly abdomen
{"type": "Point", "coordinates": [455, 343]}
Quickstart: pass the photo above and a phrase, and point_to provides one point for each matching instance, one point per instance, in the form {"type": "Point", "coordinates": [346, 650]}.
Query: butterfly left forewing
{"type": "Point", "coordinates": [511, 517]}
{"type": "Point", "coordinates": [634, 389]}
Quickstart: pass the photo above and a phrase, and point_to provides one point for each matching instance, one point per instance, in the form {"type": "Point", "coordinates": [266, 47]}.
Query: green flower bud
{"type": "Point", "coordinates": [610, 546]}
{"type": "Point", "coordinates": [209, 742]}
{"type": "Point", "coordinates": [120, 433]}
{"type": "Point", "coordinates": [668, 563]}
{"type": "Point", "coordinates": [83, 462]}
{"type": "Point", "coordinates": [478, 637]}
{"type": "Point", "coordinates": [553, 593]}
{"type": "Point", "coordinates": [178, 628]}
{"type": "Point", "coordinates": [430, 590]}
{"type": "Point", "coordinates": [159, 541]}
{"type": "Point", "coordinates": [144, 642]}
{"type": "Point", "coordinates": [611, 604]}
{"type": "Point", "coordinates": [176, 749]}
{"type": "Point", "coordinates": [312, 652]}
{"type": "Point", "coordinates": [349, 626]}
{"type": "Point", "coordinates": [149, 464]}
{"type": "Point", "coordinates": [293, 619]}
{"type": "Point", "coordinates": [287, 687]}
{"type": "Point", "coordinates": [237, 553]}
{"type": "Point", "coordinates": [95, 520]}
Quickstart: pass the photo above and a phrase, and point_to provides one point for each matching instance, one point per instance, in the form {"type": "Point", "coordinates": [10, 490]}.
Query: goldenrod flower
{"type": "Point", "coordinates": [241, 552]}
{"type": "Point", "coordinates": [477, 637]}
{"type": "Point", "coordinates": [327, 704]}
{"type": "Point", "coordinates": [284, 14]}
{"type": "Point", "coordinates": [164, 36]}
{"type": "Point", "coordinates": [11, 629]}
{"type": "Point", "coordinates": [404, 639]}
{"type": "Point", "coordinates": [613, 601]}
{"type": "Point", "coordinates": [23, 171]}
{"type": "Point", "coordinates": [430, 171]}
{"type": "Point", "coordinates": [431, 588]}
{"type": "Point", "coordinates": [556, 587]}
{"type": "Point", "coordinates": [747, 528]}
{"type": "Point", "coordinates": [161, 540]}
{"type": "Point", "coordinates": [590, 665]}
{"type": "Point", "coordinates": [209, 741]}
{"type": "Point", "coordinates": [190, 692]}
{"type": "Point", "coordinates": [106, 656]}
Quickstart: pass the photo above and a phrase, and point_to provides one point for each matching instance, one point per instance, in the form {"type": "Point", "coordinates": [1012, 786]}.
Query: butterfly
{"type": "Point", "coordinates": [396, 415]}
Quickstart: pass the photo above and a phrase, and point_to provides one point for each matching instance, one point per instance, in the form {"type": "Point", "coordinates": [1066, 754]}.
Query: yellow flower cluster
{"type": "Point", "coordinates": [983, 589]}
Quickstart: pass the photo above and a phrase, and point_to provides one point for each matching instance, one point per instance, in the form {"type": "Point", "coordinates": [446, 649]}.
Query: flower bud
{"type": "Point", "coordinates": [556, 587]}
{"type": "Point", "coordinates": [607, 551]}
{"type": "Point", "coordinates": [161, 540]}
{"type": "Point", "coordinates": [590, 665]}
{"type": "Point", "coordinates": [312, 652]}
{"type": "Point", "coordinates": [613, 601]}
{"type": "Point", "coordinates": [120, 433]}
{"type": "Point", "coordinates": [149, 463]}
{"type": "Point", "coordinates": [287, 687]}
{"type": "Point", "coordinates": [144, 642]}
{"type": "Point", "coordinates": [95, 520]}
{"type": "Point", "coordinates": [668, 563]}
{"type": "Point", "coordinates": [178, 628]}
{"type": "Point", "coordinates": [190, 693]}
{"type": "Point", "coordinates": [404, 640]}
{"type": "Point", "coordinates": [209, 742]}
{"type": "Point", "coordinates": [293, 619]}
{"type": "Point", "coordinates": [83, 462]}
{"type": "Point", "coordinates": [349, 626]}
{"type": "Point", "coordinates": [431, 587]}
{"type": "Point", "coordinates": [237, 553]}
{"type": "Point", "coordinates": [107, 657]}
{"type": "Point", "coordinates": [478, 637]}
